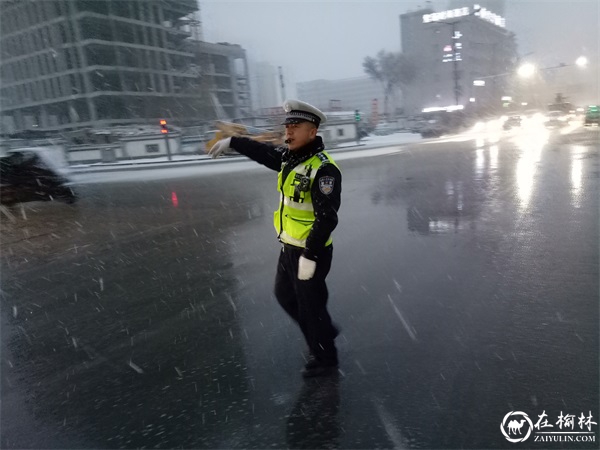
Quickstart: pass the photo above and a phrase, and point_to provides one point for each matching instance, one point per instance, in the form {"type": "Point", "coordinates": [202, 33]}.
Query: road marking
{"type": "Point", "coordinates": [388, 424]}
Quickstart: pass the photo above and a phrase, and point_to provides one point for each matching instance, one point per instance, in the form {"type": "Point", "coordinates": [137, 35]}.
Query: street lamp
{"type": "Point", "coordinates": [526, 70]}
{"type": "Point", "coordinates": [582, 61]}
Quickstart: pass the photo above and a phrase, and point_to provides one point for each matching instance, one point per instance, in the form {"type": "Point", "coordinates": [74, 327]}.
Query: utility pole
{"type": "Point", "coordinates": [164, 129]}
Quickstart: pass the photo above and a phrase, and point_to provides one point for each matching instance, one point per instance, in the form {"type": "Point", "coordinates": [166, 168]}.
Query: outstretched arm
{"type": "Point", "coordinates": [265, 154]}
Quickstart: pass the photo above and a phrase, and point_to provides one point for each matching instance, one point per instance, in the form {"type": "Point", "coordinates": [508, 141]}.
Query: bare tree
{"type": "Point", "coordinates": [392, 70]}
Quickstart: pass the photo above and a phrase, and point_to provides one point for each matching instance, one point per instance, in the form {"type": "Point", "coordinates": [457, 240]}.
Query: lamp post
{"type": "Point", "coordinates": [527, 70]}
{"type": "Point", "coordinates": [582, 61]}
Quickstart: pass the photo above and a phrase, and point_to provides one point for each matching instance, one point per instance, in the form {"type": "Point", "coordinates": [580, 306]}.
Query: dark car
{"type": "Point", "coordinates": [31, 174]}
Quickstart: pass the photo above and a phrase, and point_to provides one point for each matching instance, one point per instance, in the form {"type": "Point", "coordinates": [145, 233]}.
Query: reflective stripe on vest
{"type": "Point", "coordinates": [295, 216]}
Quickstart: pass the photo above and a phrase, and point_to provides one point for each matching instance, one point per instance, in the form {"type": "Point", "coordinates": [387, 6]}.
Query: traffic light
{"type": "Point", "coordinates": [163, 127]}
{"type": "Point", "coordinates": [357, 115]}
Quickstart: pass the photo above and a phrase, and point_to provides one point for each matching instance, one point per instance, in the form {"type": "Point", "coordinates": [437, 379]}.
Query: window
{"type": "Point", "coordinates": [124, 33]}
{"type": "Point", "coordinates": [68, 60]}
{"type": "Point", "coordinates": [46, 89]}
{"type": "Point", "coordinates": [48, 12]}
{"type": "Point", "coordinates": [74, 85]}
{"type": "Point", "coordinates": [29, 13]}
{"type": "Point", "coordinates": [5, 23]}
{"type": "Point", "coordinates": [46, 38]}
{"type": "Point", "coordinates": [340, 132]}
{"type": "Point", "coordinates": [58, 8]}
{"type": "Point", "coordinates": [56, 87]}
{"type": "Point", "coordinates": [63, 32]}
{"type": "Point", "coordinates": [94, 6]}
{"type": "Point", "coordinates": [94, 28]}
{"type": "Point", "coordinates": [41, 42]}
{"type": "Point", "coordinates": [34, 41]}
{"type": "Point", "coordinates": [135, 11]}
{"type": "Point", "coordinates": [103, 55]}
{"type": "Point", "coordinates": [152, 148]}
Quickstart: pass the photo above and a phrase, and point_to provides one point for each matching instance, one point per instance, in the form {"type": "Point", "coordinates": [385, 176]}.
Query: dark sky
{"type": "Point", "coordinates": [329, 39]}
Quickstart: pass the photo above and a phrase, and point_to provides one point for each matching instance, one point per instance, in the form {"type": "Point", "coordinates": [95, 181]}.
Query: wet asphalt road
{"type": "Point", "coordinates": [465, 280]}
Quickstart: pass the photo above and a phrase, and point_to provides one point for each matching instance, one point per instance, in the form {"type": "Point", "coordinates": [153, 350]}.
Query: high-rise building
{"type": "Point", "coordinates": [68, 64]}
{"type": "Point", "coordinates": [346, 94]}
{"type": "Point", "coordinates": [453, 49]}
{"type": "Point", "coordinates": [266, 86]}
{"type": "Point", "coordinates": [498, 6]}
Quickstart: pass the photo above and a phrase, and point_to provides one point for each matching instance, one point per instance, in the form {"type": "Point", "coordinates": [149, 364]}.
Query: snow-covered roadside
{"type": "Point", "coordinates": [390, 139]}
{"type": "Point", "coordinates": [212, 167]}
{"type": "Point", "coordinates": [163, 162]}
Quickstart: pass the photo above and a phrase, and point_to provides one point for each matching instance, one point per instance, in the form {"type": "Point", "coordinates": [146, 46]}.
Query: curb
{"type": "Point", "coordinates": [205, 160]}
{"type": "Point", "coordinates": [152, 165]}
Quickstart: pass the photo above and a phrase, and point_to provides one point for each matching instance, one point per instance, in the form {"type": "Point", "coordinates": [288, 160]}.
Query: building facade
{"type": "Point", "coordinates": [342, 95]}
{"type": "Point", "coordinates": [225, 74]}
{"type": "Point", "coordinates": [265, 87]}
{"type": "Point", "coordinates": [497, 6]}
{"type": "Point", "coordinates": [69, 64]}
{"type": "Point", "coordinates": [465, 57]}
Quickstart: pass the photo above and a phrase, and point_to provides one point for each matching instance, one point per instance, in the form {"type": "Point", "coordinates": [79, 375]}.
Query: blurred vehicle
{"type": "Point", "coordinates": [32, 174]}
{"type": "Point", "coordinates": [561, 104]}
{"type": "Point", "coordinates": [385, 128]}
{"type": "Point", "coordinates": [438, 123]}
{"type": "Point", "coordinates": [592, 115]}
{"type": "Point", "coordinates": [417, 124]}
{"type": "Point", "coordinates": [556, 119]}
{"type": "Point", "coordinates": [362, 133]}
{"type": "Point", "coordinates": [512, 122]}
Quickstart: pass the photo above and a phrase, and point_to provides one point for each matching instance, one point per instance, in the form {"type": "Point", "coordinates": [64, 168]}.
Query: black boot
{"type": "Point", "coordinates": [320, 370]}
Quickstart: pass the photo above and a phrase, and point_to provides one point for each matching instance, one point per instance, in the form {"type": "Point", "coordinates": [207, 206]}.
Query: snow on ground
{"type": "Point", "coordinates": [165, 172]}
{"type": "Point", "coordinates": [160, 169]}
{"type": "Point", "coordinates": [395, 138]}
{"type": "Point", "coordinates": [144, 161]}
{"type": "Point", "coordinates": [368, 142]}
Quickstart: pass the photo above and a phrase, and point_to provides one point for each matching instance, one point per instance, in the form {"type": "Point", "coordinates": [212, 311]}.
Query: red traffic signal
{"type": "Point", "coordinates": [163, 127]}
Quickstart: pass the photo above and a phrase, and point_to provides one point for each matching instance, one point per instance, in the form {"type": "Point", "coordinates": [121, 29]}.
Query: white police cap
{"type": "Point", "coordinates": [297, 111]}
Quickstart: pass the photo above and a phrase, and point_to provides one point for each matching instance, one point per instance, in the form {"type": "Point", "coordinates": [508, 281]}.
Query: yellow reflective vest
{"type": "Point", "coordinates": [295, 216]}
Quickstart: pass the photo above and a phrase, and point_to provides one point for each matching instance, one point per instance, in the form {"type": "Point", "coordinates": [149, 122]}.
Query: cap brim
{"type": "Point", "coordinates": [290, 120]}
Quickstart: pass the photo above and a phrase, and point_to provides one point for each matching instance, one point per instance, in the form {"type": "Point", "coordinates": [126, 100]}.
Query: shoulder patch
{"type": "Point", "coordinates": [326, 185]}
{"type": "Point", "coordinates": [322, 157]}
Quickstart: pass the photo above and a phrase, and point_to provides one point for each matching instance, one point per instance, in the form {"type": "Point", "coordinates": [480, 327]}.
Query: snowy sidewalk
{"type": "Point", "coordinates": [370, 142]}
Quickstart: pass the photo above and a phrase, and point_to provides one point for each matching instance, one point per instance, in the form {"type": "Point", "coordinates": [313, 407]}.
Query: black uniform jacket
{"type": "Point", "coordinates": [283, 160]}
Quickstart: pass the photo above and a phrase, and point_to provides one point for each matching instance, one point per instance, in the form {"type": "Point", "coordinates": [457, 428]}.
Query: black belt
{"type": "Point", "coordinates": [295, 247]}
{"type": "Point", "coordinates": [291, 247]}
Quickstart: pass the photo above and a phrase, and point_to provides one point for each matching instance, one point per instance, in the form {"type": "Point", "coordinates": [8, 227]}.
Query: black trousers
{"type": "Point", "coordinates": [306, 301]}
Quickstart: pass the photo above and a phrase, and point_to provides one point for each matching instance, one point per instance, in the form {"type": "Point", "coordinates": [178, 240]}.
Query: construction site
{"type": "Point", "coordinates": [68, 66]}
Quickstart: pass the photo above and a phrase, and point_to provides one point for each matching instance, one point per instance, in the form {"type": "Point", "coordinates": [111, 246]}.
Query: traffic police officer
{"type": "Point", "coordinates": [309, 184]}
